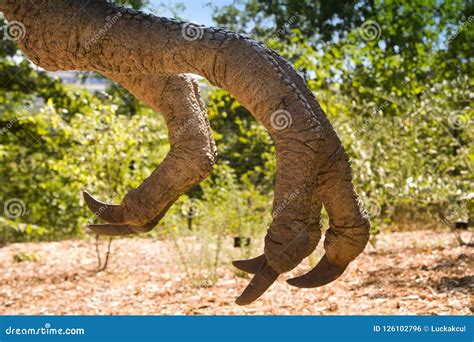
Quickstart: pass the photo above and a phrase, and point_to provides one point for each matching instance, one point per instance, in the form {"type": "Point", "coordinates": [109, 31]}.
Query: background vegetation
{"type": "Point", "coordinates": [394, 77]}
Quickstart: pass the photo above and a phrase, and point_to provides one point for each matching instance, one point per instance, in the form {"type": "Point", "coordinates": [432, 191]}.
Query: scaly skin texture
{"type": "Point", "coordinates": [150, 56]}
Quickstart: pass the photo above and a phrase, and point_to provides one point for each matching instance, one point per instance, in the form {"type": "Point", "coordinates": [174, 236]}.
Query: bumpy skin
{"type": "Point", "coordinates": [150, 56]}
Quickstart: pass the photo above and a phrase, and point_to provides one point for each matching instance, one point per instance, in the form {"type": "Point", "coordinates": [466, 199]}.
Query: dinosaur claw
{"type": "Point", "coordinates": [250, 265]}
{"type": "Point", "coordinates": [324, 273]}
{"type": "Point", "coordinates": [111, 213]}
{"type": "Point", "coordinates": [121, 229]}
{"type": "Point", "coordinates": [258, 285]}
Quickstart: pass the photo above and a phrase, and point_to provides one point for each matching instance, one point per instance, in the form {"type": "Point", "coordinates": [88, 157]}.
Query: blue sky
{"type": "Point", "coordinates": [196, 10]}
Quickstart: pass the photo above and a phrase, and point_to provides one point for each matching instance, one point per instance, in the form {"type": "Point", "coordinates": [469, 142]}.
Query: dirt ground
{"type": "Point", "coordinates": [416, 272]}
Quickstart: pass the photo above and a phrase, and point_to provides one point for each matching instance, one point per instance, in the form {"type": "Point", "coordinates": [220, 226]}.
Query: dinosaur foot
{"type": "Point", "coordinates": [111, 213]}
{"type": "Point", "coordinates": [324, 273]}
{"type": "Point", "coordinates": [120, 229]}
{"type": "Point", "coordinates": [261, 281]}
{"type": "Point", "coordinates": [251, 265]}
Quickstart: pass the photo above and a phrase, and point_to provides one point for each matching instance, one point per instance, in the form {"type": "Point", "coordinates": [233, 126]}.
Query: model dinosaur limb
{"type": "Point", "coordinates": [189, 161]}
{"type": "Point", "coordinates": [310, 157]}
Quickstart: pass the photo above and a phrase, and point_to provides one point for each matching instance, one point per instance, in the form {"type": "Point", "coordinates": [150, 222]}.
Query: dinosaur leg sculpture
{"type": "Point", "coordinates": [254, 265]}
{"type": "Point", "coordinates": [314, 230]}
{"type": "Point", "coordinates": [191, 143]}
{"type": "Point", "coordinates": [264, 274]}
{"type": "Point", "coordinates": [349, 225]}
{"type": "Point", "coordinates": [310, 157]}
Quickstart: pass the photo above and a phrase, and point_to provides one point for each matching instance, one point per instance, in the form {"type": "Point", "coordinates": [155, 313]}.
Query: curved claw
{"type": "Point", "coordinates": [121, 229]}
{"type": "Point", "coordinates": [111, 213]}
{"type": "Point", "coordinates": [324, 273]}
{"type": "Point", "coordinates": [250, 265]}
{"type": "Point", "coordinates": [265, 277]}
